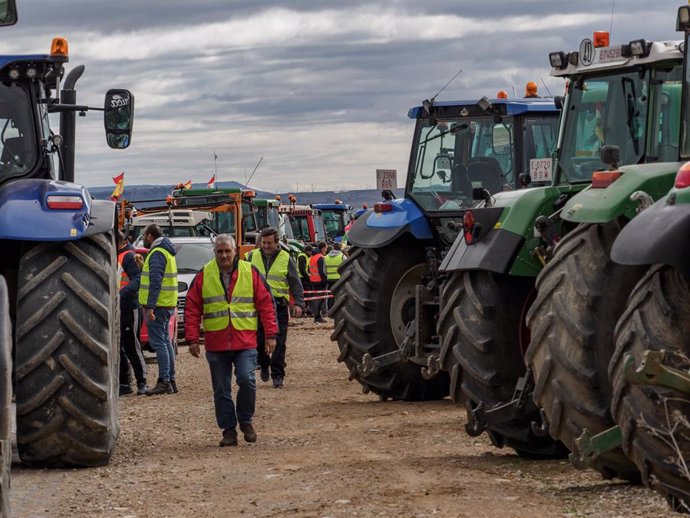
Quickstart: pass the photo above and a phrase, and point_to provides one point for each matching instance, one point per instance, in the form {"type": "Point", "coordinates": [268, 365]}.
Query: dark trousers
{"type": "Point", "coordinates": [130, 349]}
{"type": "Point", "coordinates": [329, 302]}
{"type": "Point", "coordinates": [306, 285]}
{"type": "Point", "coordinates": [276, 360]}
{"type": "Point", "coordinates": [318, 306]}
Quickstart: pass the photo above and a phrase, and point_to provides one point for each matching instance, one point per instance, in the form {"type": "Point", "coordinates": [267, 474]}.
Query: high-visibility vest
{"type": "Point", "coordinates": [167, 297]}
{"type": "Point", "coordinates": [332, 264]}
{"type": "Point", "coordinates": [306, 262]}
{"type": "Point", "coordinates": [314, 275]}
{"type": "Point", "coordinates": [277, 273]}
{"type": "Point", "coordinates": [217, 310]}
{"type": "Point", "coordinates": [124, 278]}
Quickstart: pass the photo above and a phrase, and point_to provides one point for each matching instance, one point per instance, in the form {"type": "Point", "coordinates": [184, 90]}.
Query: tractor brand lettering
{"type": "Point", "coordinates": [586, 52]}
{"type": "Point", "coordinates": [611, 54]}
{"type": "Point", "coordinates": [118, 103]}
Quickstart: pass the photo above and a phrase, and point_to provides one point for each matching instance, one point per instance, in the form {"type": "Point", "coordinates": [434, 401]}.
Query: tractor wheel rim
{"type": "Point", "coordinates": [402, 308]}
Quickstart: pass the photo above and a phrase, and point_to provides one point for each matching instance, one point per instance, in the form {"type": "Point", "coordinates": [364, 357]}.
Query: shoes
{"type": "Point", "coordinates": [319, 321]}
{"type": "Point", "coordinates": [229, 438]}
{"type": "Point", "coordinates": [125, 390]}
{"type": "Point", "coordinates": [265, 376]}
{"type": "Point", "coordinates": [248, 431]}
{"type": "Point", "coordinates": [142, 389]}
{"type": "Point", "coordinates": [162, 387]}
{"type": "Point", "coordinates": [173, 384]}
{"type": "Point", "coordinates": [278, 382]}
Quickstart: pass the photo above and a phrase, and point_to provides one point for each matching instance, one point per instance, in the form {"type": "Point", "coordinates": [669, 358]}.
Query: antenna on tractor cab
{"type": "Point", "coordinates": [429, 103]}
{"type": "Point", "coordinates": [254, 171]}
{"type": "Point", "coordinates": [547, 88]}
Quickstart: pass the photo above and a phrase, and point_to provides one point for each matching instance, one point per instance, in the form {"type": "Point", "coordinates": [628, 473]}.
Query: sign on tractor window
{"type": "Point", "coordinates": [386, 179]}
{"type": "Point", "coordinates": [540, 169]}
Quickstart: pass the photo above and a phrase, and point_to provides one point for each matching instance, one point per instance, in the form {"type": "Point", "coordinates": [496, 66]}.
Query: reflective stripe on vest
{"type": "Point", "coordinates": [314, 275]}
{"type": "Point", "coordinates": [217, 310]}
{"type": "Point", "coordinates": [167, 297]}
{"type": "Point", "coordinates": [332, 264]}
{"type": "Point", "coordinates": [124, 279]}
{"type": "Point", "coordinates": [277, 273]}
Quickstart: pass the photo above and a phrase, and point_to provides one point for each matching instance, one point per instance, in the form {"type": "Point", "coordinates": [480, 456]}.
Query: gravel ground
{"type": "Point", "coordinates": [324, 450]}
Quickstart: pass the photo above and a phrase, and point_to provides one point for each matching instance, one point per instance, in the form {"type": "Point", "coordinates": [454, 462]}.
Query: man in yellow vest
{"type": "Point", "coordinates": [333, 260]}
{"type": "Point", "coordinates": [158, 297]}
{"type": "Point", "coordinates": [280, 271]}
{"type": "Point", "coordinates": [229, 298]}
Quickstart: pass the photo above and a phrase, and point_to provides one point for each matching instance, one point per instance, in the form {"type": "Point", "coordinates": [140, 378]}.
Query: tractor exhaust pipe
{"type": "Point", "coordinates": [68, 124]}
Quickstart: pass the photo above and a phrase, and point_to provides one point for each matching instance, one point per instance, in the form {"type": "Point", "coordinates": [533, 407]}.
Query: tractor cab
{"type": "Point", "coordinates": [336, 217]}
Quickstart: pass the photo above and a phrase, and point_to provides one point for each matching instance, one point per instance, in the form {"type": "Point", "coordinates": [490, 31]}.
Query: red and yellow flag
{"type": "Point", "coordinates": [187, 184]}
{"type": "Point", "coordinates": [119, 182]}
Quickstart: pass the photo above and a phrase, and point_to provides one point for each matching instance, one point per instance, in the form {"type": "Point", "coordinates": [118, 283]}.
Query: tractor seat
{"type": "Point", "coordinates": [487, 171]}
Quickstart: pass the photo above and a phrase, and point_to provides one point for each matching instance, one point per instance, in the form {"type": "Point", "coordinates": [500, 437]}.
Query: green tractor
{"type": "Point", "coordinates": [628, 148]}
{"type": "Point", "coordinates": [649, 368]}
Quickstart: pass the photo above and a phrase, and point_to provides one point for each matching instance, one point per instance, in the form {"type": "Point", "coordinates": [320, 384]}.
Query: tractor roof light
{"type": "Point", "coordinates": [640, 48]}
{"type": "Point", "coordinates": [683, 18]}
{"type": "Point", "coordinates": [601, 39]}
{"type": "Point", "coordinates": [31, 73]}
{"type": "Point", "coordinates": [14, 74]}
{"type": "Point", "coordinates": [59, 47]}
{"type": "Point", "coordinates": [683, 176]}
{"type": "Point", "coordinates": [558, 59]}
{"type": "Point", "coordinates": [502, 94]}
{"type": "Point", "coordinates": [484, 104]}
{"type": "Point", "coordinates": [573, 58]}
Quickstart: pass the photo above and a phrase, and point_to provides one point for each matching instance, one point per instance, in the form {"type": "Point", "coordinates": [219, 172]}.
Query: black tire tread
{"type": "Point", "coordinates": [581, 294]}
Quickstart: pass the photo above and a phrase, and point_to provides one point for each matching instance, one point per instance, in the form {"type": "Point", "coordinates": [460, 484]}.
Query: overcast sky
{"type": "Point", "coordinates": [319, 88]}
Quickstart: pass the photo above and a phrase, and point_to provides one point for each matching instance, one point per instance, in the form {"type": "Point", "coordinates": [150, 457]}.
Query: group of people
{"type": "Point", "coordinates": [318, 270]}
{"type": "Point", "coordinates": [241, 305]}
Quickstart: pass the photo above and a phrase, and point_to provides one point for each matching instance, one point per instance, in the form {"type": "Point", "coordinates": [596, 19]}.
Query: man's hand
{"type": "Point", "coordinates": [298, 311]}
{"type": "Point", "coordinates": [194, 349]}
{"type": "Point", "coordinates": [270, 345]}
{"type": "Point", "coordinates": [150, 315]}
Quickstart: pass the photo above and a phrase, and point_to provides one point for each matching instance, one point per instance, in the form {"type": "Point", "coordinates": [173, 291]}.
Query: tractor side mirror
{"type": "Point", "coordinates": [118, 118]}
{"type": "Point", "coordinates": [8, 12]}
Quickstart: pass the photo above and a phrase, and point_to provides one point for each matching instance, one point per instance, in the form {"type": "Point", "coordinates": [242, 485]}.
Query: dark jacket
{"type": "Point", "coordinates": [157, 265]}
{"type": "Point", "coordinates": [229, 339]}
{"type": "Point", "coordinates": [130, 293]}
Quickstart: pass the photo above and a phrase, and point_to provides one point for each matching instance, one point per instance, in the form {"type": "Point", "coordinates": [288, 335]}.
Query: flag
{"type": "Point", "coordinates": [212, 182]}
{"type": "Point", "coordinates": [119, 182]}
{"type": "Point", "coordinates": [187, 184]}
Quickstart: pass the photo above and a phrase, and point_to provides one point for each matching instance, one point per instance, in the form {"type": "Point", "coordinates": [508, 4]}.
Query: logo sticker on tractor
{"type": "Point", "coordinates": [72, 232]}
{"type": "Point", "coordinates": [540, 169]}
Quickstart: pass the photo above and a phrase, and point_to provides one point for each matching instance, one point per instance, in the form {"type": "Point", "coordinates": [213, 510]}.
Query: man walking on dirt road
{"type": "Point", "coordinates": [319, 281]}
{"type": "Point", "coordinates": [158, 296]}
{"type": "Point", "coordinates": [280, 271]}
{"type": "Point", "coordinates": [229, 297]}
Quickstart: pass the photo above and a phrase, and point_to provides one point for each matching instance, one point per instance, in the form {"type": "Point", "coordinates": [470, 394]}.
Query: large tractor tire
{"type": "Point", "coordinates": [581, 295]}
{"type": "Point", "coordinates": [5, 399]}
{"type": "Point", "coordinates": [483, 335]}
{"type": "Point", "coordinates": [657, 318]}
{"type": "Point", "coordinates": [373, 301]}
{"type": "Point", "coordinates": [67, 353]}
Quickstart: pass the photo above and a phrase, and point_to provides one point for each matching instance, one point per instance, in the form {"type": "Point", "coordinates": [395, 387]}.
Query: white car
{"type": "Point", "coordinates": [192, 255]}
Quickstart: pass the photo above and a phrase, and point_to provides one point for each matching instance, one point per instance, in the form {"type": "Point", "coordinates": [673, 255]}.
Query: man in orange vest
{"type": "Point", "coordinates": [318, 280]}
{"type": "Point", "coordinates": [130, 349]}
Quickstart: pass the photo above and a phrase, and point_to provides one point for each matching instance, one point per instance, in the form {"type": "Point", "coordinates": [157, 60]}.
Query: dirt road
{"type": "Point", "coordinates": [324, 450]}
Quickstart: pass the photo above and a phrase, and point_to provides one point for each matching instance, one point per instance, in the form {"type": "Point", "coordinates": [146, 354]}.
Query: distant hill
{"type": "Point", "coordinates": [137, 194]}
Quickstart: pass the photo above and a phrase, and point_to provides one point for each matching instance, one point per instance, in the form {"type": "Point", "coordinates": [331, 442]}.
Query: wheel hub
{"type": "Point", "coordinates": [402, 308]}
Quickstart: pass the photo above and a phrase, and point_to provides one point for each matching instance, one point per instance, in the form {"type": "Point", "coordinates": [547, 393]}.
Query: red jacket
{"type": "Point", "coordinates": [229, 339]}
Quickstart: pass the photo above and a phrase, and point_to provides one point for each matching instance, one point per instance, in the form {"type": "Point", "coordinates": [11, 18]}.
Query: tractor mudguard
{"type": "Point", "coordinates": [658, 234]}
{"type": "Point", "coordinates": [494, 253]}
{"type": "Point", "coordinates": [25, 215]}
{"type": "Point", "coordinates": [102, 217]}
{"type": "Point", "coordinates": [376, 229]}
{"type": "Point", "coordinates": [601, 205]}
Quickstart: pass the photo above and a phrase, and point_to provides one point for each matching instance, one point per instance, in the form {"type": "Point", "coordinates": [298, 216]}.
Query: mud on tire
{"type": "Point", "coordinates": [581, 294]}
{"type": "Point", "coordinates": [67, 344]}
{"type": "Point", "coordinates": [361, 310]}
{"type": "Point", "coordinates": [657, 317]}
{"type": "Point", "coordinates": [480, 328]}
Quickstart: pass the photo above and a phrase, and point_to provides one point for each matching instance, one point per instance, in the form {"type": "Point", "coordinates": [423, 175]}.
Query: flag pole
{"type": "Point", "coordinates": [215, 168]}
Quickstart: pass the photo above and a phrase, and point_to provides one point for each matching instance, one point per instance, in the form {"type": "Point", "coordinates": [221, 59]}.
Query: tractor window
{"type": "Point", "coordinates": [319, 229]}
{"type": "Point", "coordinates": [224, 223]}
{"type": "Point", "coordinates": [300, 228]}
{"type": "Point", "coordinates": [18, 147]}
{"type": "Point", "coordinates": [539, 139]}
{"type": "Point", "coordinates": [666, 115]}
{"type": "Point", "coordinates": [335, 223]}
{"type": "Point", "coordinates": [455, 156]}
{"type": "Point", "coordinates": [604, 110]}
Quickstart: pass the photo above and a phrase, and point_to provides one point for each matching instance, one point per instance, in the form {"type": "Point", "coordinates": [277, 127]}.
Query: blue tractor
{"type": "Point", "coordinates": [386, 302]}
{"type": "Point", "coordinates": [59, 266]}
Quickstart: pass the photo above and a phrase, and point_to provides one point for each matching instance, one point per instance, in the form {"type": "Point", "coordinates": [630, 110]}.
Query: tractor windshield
{"type": "Point", "coordinates": [452, 157]}
{"type": "Point", "coordinates": [18, 147]}
{"type": "Point", "coordinates": [620, 109]}
{"type": "Point", "coordinates": [335, 221]}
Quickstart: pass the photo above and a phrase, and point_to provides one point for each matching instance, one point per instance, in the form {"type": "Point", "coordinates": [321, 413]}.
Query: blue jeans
{"type": "Point", "coordinates": [159, 339]}
{"type": "Point", "coordinates": [221, 364]}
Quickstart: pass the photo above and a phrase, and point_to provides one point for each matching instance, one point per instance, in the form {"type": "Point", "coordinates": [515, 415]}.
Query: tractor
{"type": "Point", "coordinates": [60, 267]}
{"type": "Point", "coordinates": [386, 303]}
{"type": "Point", "coordinates": [336, 217]}
{"type": "Point", "coordinates": [627, 149]}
